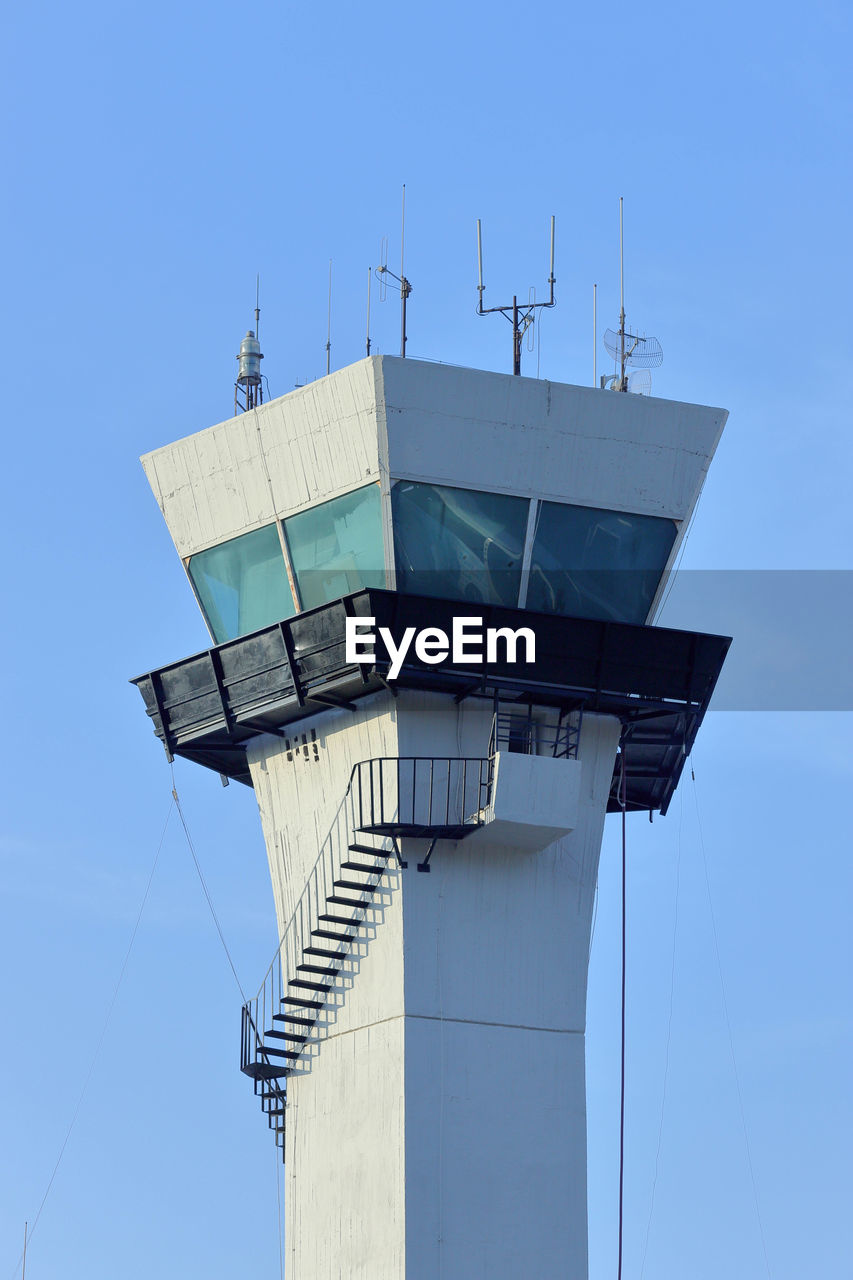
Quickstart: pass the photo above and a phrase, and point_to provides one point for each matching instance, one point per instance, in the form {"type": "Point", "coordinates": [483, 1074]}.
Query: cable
{"type": "Point", "coordinates": [203, 884]}
{"type": "Point", "coordinates": [278, 1198]}
{"type": "Point", "coordinates": [668, 1035]}
{"type": "Point", "coordinates": [729, 1026]}
{"type": "Point", "coordinates": [102, 1035]}
{"type": "Point", "coordinates": [622, 801]}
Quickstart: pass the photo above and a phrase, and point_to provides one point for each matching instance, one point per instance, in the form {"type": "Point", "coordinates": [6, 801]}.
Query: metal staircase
{"type": "Point", "coordinates": [388, 799]}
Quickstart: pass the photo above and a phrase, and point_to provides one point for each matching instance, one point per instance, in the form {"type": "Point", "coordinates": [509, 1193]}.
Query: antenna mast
{"type": "Point", "coordinates": [249, 387]}
{"type": "Point", "coordinates": [405, 286]}
{"type": "Point", "coordinates": [629, 349]}
{"type": "Point", "coordinates": [521, 317]}
{"type": "Point", "coordinates": [369, 274]}
{"type": "Point", "coordinates": [623, 385]}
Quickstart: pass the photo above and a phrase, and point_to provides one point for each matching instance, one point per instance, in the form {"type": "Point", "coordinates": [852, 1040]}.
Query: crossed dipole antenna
{"type": "Point", "coordinates": [520, 315]}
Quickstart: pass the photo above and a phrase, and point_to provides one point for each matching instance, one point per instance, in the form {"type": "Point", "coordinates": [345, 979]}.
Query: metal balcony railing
{"type": "Point", "coordinates": [426, 797]}
{"type": "Point", "coordinates": [530, 734]}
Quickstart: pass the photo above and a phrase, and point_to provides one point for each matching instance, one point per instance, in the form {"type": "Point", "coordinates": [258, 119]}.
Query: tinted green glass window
{"type": "Point", "coordinates": [589, 563]}
{"type": "Point", "coordinates": [458, 543]}
{"type": "Point", "coordinates": [336, 548]}
{"type": "Point", "coordinates": [242, 584]}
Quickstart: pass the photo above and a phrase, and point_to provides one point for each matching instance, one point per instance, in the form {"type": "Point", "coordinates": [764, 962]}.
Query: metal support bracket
{"type": "Point", "coordinates": [401, 862]}
{"type": "Point", "coordinates": [424, 866]}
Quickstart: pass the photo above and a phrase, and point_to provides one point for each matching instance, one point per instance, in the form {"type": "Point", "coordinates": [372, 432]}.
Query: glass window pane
{"type": "Point", "coordinates": [589, 563]}
{"type": "Point", "coordinates": [337, 548]}
{"type": "Point", "coordinates": [458, 543]}
{"type": "Point", "coordinates": [242, 584]}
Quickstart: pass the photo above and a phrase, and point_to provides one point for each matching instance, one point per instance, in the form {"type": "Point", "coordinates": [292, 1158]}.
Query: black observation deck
{"type": "Point", "coordinates": [656, 681]}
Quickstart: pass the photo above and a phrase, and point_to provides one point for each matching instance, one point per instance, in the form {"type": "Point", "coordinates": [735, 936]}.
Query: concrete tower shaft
{"type": "Point", "coordinates": [437, 1125]}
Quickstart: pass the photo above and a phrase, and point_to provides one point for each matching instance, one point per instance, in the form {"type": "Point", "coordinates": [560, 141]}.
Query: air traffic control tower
{"type": "Point", "coordinates": [372, 554]}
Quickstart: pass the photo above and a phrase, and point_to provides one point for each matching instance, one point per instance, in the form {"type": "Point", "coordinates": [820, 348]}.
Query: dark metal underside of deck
{"type": "Point", "coordinates": [656, 681]}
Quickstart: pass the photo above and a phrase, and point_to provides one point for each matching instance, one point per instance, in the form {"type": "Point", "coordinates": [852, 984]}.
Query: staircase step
{"type": "Point", "coordinates": [340, 920]}
{"type": "Point", "coordinates": [303, 1004]}
{"type": "Point", "coordinates": [274, 1092]}
{"type": "Point", "coordinates": [368, 848]}
{"type": "Point", "coordinates": [272, 1103]}
{"type": "Point", "coordinates": [269, 1051]}
{"type": "Point", "coordinates": [310, 986]}
{"type": "Point", "coordinates": [294, 1018]}
{"type": "Point", "coordinates": [324, 951]}
{"type": "Point", "coordinates": [327, 933]}
{"type": "Point", "coordinates": [331, 970]}
{"type": "Point", "coordinates": [354, 884]}
{"type": "Point", "coordinates": [345, 902]}
{"type": "Point", "coordinates": [263, 1071]}
{"type": "Point", "coordinates": [285, 1035]}
{"type": "Point", "coordinates": [362, 866]}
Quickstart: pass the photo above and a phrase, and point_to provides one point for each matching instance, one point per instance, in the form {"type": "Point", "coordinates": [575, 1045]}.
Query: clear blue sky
{"type": "Point", "coordinates": [156, 157]}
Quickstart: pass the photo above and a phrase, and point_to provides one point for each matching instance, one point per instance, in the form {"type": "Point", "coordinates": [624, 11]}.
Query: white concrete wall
{"type": "Point", "coordinates": [288, 454]}
{"type": "Point", "coordinates": [386, 417]}
{"type": "Point", "coordinates": [547, 440]}
{"type": "Point", "coordinates": [534, 801]}
{"type": "Point", "coordinates": [439, 1126]}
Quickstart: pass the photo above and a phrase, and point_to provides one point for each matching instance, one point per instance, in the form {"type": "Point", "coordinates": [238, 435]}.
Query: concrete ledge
{"type": "Point", "coordinates": [534, 801]}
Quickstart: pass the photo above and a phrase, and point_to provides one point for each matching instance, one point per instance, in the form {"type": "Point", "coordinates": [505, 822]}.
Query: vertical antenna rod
{"type": "Point", "coordinates": [594, 335]}
{"type": "Point", "coordinates": [24, 1266]}
{"type": "Point", "coordinates": [622, 382]}
{"type": "Point", "coordinates": [480, 286]}
{"type": "Point", "coordinates": [552, 279]}
{"type": "Point", "coordinates": [404, 284]}
{"type": "Point", "coordinates": [369, 271]}
{"type": "Point", "coordinates": [258, 306]}
{"type": "Point", "coordinates": [329, 328]}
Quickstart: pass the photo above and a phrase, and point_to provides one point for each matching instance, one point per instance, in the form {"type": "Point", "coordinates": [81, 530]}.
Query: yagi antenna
{"type": "Point", "coordinates": [521, 317]}
{"type": "Point", "coordinates": [629, 349]}
{"type": "Point", "coordinates": [405, 287]}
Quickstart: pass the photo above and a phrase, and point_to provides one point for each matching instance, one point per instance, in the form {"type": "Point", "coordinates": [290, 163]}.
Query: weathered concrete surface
{"type": "Point", "coordinates": [439, 1127]}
